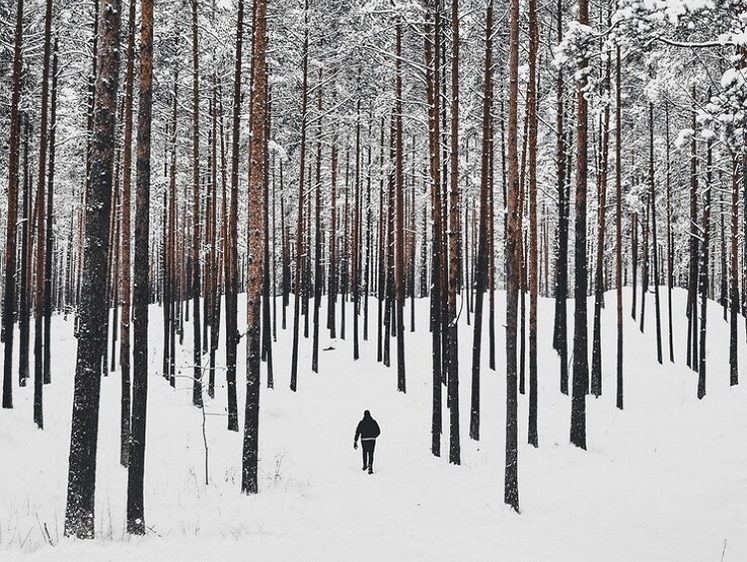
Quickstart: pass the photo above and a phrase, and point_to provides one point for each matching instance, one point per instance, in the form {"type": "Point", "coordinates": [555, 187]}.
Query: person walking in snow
{"type": "Point", "coordinates": [368, 430]}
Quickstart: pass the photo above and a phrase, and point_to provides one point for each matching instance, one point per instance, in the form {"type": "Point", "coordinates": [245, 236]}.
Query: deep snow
{"type": "Point", "coordinates": [665, 479]}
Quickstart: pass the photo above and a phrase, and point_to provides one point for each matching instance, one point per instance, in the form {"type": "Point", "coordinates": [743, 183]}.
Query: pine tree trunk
{"type": "Point", "coordinates": [532, 123]}
{"type": "Point", "coordinates": [318, 272]}
{"type": "Point", "coordinates": [48, 260]}
{"type": "Point", "coordinates": [703, 272]}
{"type": "Point", "coordinates": [256, 215]}
{"type": "Point", "coordinates": [136, 472]}
{"type": "Point", "coordinates": [231, 258]}
{"type": "Point", "coordinates": [79, 513]}
{"type": "Point", "coordinates": [596, 354]}
{"type": "Point", "coordinates": [619, 394]}
{"type": "Point", "coordinates": [196, 218]}
{"type": "Point", "coordinates": [513, 272]}
{"type": "Point", "coordinates": [24, 315]}
{"type": "Point", "coordinates": [670, 251]}
{"type": "Point", "coordinates": [40, 224]}
{"type": "Point", "coordinates": [481, 271]}
{"type": "Point", "coordinates": [560, 337]}
{"type": "Point", "coordinates": [124, 350]}
{"type": "Point", "coordinates": [355, 252]}
{"type": "Point", "coordinates": [734, 293]}
{"type": "Point", "coordinates": [432, 80]}
{"type": "Point", "coordinates": [399, 226]}
{"type": "Point", "coordinates": [580, 324]}
{"type": "Point", "coordinates": [654, 238]}
{"type": "Point", "coordinates": [301, 187]}
{"type": "Point", "coordinates": [333, 258]}
{"type": "Point", "coordinates": [267, 326]}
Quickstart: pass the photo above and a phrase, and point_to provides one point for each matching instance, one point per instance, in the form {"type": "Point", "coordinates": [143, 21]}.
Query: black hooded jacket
{"type": "Point", "coordinates": [367, 428]}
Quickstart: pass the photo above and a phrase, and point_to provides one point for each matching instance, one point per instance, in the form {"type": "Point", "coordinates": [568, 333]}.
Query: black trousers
{"type": "Point", "coordinates": [368, 446]}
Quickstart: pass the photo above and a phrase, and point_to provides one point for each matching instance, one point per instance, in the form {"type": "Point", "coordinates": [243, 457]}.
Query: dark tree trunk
{"type": "Point", "coordinates": [596, 354]}
{"type": "Point", "coordinates": [481, 271]}
{"type": "Point", "coordinates": [355, 251]}
{"type": "Point", "coordinates": [333, 258]}
{"type": "Point", "coordinates": [734, 292]}
{"type": "Point", "coordinates": [703, 272]}
{"type": "Point", "coordinates": [318, 271]}
{"type": "Point", "coordinates": [267, 324]}
{"type": "Point", "coordinates": [513, 264]}
{"type": "Point", "coordinates": [580, 324]}
{"type": "Point", "coordinates": [196, 218]}
{"type": "Point", "coordinates": [432, 50]}
{"type": "Point", "coordinates": [453, 247]}
{"type": "Point", "coordinates": [532, 123]}
{"type": "Point", "coordinates": [124, 350]}
{"type": "Point", "coordinates": [256, 216]}
{"type": "Point", "coordinates": [654, 238]}
{"type": "Point", "coordinates": [634, 259]}
{"type": "Point", "coordinates": [48, 260]}
{"type": "Point", "coordinates": [618, 229]}
{"type": "Point", "coordinates": [560, 333]}
{"type": "Point", "coordinates": [173, 301]}
{"type": "Point", "coordinates": [301, 187]}
{"type": "Point", "coordinates": [24, 315]}
{"type": "Point", "coordinates": [692, 287]}
{"type": "Point", "coordinates": [399, 227]}
{"type": "Point", "coordinates": [79, 513]}
{"type": "Point", "coordinates": [231, 258]}
{"type": "Point", "coordinates": [670, 251]}
{"type": "Point", "coordinates": [645, 263]}
{"type": "Point", "coordinates": [40, 225]}
{"type": "Point", "coordinates": [136, 472]}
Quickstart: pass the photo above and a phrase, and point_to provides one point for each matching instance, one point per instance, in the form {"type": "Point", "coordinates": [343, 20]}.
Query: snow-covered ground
{"type": "Point", "coordinates": [665, 479]}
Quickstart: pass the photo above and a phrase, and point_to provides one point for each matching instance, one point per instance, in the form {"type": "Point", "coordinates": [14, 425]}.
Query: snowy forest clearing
{"type": "Point", "coordinates": [665, 479]}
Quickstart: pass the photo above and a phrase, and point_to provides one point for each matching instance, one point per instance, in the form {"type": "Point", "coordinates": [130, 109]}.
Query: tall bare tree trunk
{"type": "Point", "coordinates": [256, 217]}
{"type": "Point", "coordinates": [318, 269]}
{"type": "Point", "coordinates": [48, 265]}
{"type": "Point", "coordinates": [231, 258]}
{"type": "Point", "coordinates": [432, 50]}
{"type": "Point", "coordinates": [40, 224]}
{"type": "Point", "coordinates": [24, 316]}
{"type": "Point", "coordinates": [596, 354]}
{"type": "Point", "coordinates": [654, 237]}
{"type": "Point", "coordinates": [618, 229]}
{"type": "Point", "coordinates": [670, 251]}
{"type": "Point", "coordinates": [483, 247]}
{"type": "Point", "coordinates": [580, 325]}
{"type": "Point", "coordinates": [453, 246]}
{"type": "Point", "coordinates": [692, 287]}
{"type": "Point", "coordinates": [79, 513]}
{"type": "Point", "coordinates": [399, 226]}
{"type": "Point", "coordinates": [196, 218]}
{"type": "Point", "coordinates": [513, 264]}
{"type": "Point", "coordinates": [136, 472]}
{"type": "Point", "coordinates": [734, 292]}
{"type": "Point", "coordinates": [560, 333]}
{"type": "Point", "coordinates": [703, 271]}
{"type": "Point", "coordinates": [125, 249]}
{"type": "Point", "coordinates": [301, 196]}
{"type": "Point", "coordinates": [532, 123]}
